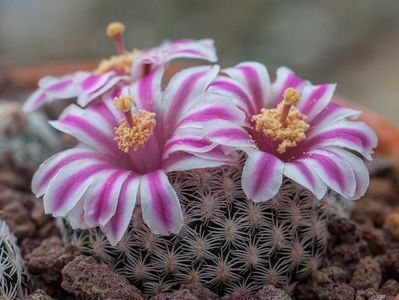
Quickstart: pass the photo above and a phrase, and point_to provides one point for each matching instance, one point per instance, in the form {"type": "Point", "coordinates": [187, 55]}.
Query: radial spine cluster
{"type": "Point", "coordinates": [12, 273]}
{"type": "Point", "coordinates": [227, 241]}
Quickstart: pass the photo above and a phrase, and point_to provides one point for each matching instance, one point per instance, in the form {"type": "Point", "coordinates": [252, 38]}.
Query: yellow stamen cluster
{"type": "Point", "coordinates": [115, 28]}
{"type": "Point", "coordinates": [124, 103]}
{"type": "Point", "coordinates": [288, 132]}
{"type": "Point", "coordinates": [118, 63]}
{"type": "Point", "coordinates": [135, 136]}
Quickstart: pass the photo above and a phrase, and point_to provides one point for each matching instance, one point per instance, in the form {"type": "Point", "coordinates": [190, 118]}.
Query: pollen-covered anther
{"type": "Point", "coordinates": [291, 96]}
{"type": "Point", "coordinates": [284, 124]}
{"type": "Point", "coordinates": [124, 103]}
{"type": "Point", "coordinates": [115, 28]}
{"type": "Point", "coordinates": [118, 63]}
{"type": "Point", "coordinates": [134, 136]}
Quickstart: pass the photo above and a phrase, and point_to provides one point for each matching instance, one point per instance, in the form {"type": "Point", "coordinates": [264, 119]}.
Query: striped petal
{"type": "Point", "coordinates": [359, 170]}
{"type": "Point", "coordinates": [159, 203]}
{"type": "Point", "coordinates": [201, 49]}
{"type": "Point", "coordinates": [254, 77]}
{"type": "Point", "coordinates": [75, 216]}
{"type": "Point", "coordinates": [191, 140]}
{"type": "Point", "coordinates": [211, 108]}
{"type": "Point", "coordinates": [262, 176]}
{"type": "Point", "coordinates": [235, 91]}
{"type": "Point", "coordinates": [285, 78]}
{"type": "Point", "coordinates": [94, 86]}
{"type": "Point", "coordinates": [302, 172]}
{"type": "Point", "coordinates": [229, 134]}
{"type": "Point", "coordinates": [183, 91]}
{"type": "Point", "coordinates": [90, 82]}
{"type": "Point", "coordinates": [333, 113]}
{"type": "Point", "coordinates": [352, 135]}
{"type": "Point", "coordinates": [89, 127]}
{"type": "Point", "coordinates": [146, 92]}
{"type": "Point", "coordinates": [314, 98]}
{"type": "Point", "coordinates": [118, 224]}
{"type": "Point", "coordinates": [101, 197]}
{"type": "Point", "coordinates": [59, 88]}
{"type": "Point", "coordinates": [67, 187]}
{"type": "Point", "coordinates": [51, 88]}
{"type": "Point", "coordinates": [52, 166]}
{"type": "Point", "coordinates": [334, 171]}
{"type": "Point", "coordinates": [35, 100]}
{"type": "Point", "coordinates": [182, 161]}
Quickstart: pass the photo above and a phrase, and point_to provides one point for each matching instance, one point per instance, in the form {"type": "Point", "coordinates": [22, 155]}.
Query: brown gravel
{"type": "Point", "coordinates": [367, 274]}
{"type": "Point", "coordinates": [239, 293]}
{"type": "Point", "coordinates": [181, 294]}
{"type": "Point", "coordinates": [39, 295]}
{"type": "Point", "coordinates": [89, 279]}
{"type": "Point", "coordinates": [271, 293]}
{"type": "Point", "coordinates": [17, 218]}
{"type": "Point", "coordinates": [45, 263]}
{"type": "Point", "coordinates": [200, 291]}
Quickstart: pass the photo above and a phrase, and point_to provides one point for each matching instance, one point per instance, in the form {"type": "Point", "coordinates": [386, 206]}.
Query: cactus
{"type": "Point", "coordinates": [12, 272]}
{"type": "Point", "coordinates": [27, 137]}
{"type": "Point", "coordinates": [226, 242]}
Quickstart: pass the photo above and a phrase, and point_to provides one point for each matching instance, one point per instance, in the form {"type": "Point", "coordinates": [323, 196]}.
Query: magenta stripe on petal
{"type": "Point", "coordinates": [89, 82]}
{"type": "Point", "coordinates": [186, 144]}
{"type": "Point", "coordinates": [230, 87]}
{"type": "Point", "coordinates": [128, 194]}
{"type": "Point", "coordinates": [187, 51]}
{"type": "Point", "coordinates": [333, 113]}
{"type": "Point", "coordinates": [35, 100]}
{"type": "Point", "coordinates": [254, 85]}
{"type": "Point", "coordinates": [50, 173]}
{"type": "Point", "coordinates": [84, 126]}
{"type": "Point", "coordinates": [145, 91]}
{"type": "Point", "coordinates": [184, 90]}
{"type": "Point", "coordinates": [302, 172]}
{"type": "Point", "coordinates": [331, 170]}
{"type": "Point", "coordinates": [160, 204]}
{"type": "Point", "coordinates": [307, 173]}
{"type": "Point", "coordinates": [102, 202]}
{"type": "Point", "coordinates": [59, 86]}
{"type": "Point", "coordinates": [263, 177]}
{"type": "Point", "coordinates": [313, 98]}
{"type": "Point", "coordinates": [350, 135]}
{"type": "Point", "coordinates": [69, 185]}
{"type": "Point", "coordinates": [104, 113]}
{"type": "Point", "coordinates": [210, 113]}
{"type": "Point", "coordinates": [230, 133]}
{"type": "Point", "coordinates": [290, 80]}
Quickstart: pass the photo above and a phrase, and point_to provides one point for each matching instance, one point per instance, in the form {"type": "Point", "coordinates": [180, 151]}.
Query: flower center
{"type": "Point", "coordinates": [122, 62]}
{"type": "Point", "coordinates": [136, 128]}
{"type": "Point", "coordinates": [284, 124]}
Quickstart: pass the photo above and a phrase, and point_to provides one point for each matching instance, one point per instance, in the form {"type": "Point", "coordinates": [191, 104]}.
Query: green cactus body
{"type": "Point", "coordinates": [227, 241]}
{"type": "Point", "coordinates": [12, 274]}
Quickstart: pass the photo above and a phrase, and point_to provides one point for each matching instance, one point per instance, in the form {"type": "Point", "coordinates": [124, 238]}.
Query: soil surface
{"type": "Point", "coordinates": [362, 259]}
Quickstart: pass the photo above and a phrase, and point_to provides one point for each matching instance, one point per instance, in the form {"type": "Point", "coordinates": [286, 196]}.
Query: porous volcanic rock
{"type": "Point", "coordinates": [86, 278]}
{"type": "Point", "coordinates": [38, 295]}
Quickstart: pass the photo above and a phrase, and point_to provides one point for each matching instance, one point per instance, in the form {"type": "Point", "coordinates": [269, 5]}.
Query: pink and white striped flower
{"type": "Point", "coordinates": [118, 71]}
{"type": "Point", "coordinates": [127, 148]}
{"type": "Point", "coordinates": [294, 130]}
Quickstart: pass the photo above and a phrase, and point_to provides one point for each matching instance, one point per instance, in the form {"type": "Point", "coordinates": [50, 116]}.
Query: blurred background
{"type": "Point", "coordinates": [353, 43]}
